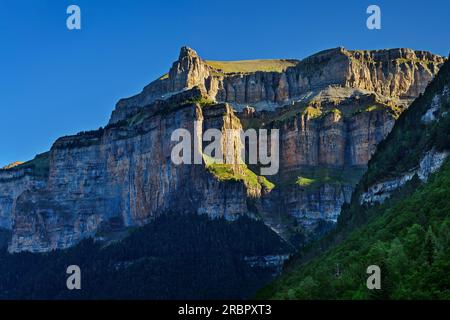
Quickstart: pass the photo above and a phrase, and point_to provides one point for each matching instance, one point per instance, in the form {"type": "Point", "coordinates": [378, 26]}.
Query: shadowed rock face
{"type": "Point", "coordinates": [332, 109]}
{"type": "Point", "coordinates": [124, 171]}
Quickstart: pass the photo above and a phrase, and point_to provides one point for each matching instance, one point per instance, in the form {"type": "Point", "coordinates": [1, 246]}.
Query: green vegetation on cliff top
{"type": "Point", "coordinates": [311, 178]}
{"type": "Point", "coordinates": [229, 172]}
{"type": "Point", "coordinates": [247, 66]}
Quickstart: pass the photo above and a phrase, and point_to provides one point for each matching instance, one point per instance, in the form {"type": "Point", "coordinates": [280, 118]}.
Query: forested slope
{"type": "Point", "coordinates": [407, 235]}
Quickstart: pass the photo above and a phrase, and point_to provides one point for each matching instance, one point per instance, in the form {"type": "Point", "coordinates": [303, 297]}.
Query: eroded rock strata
{"type": "Point", "coordinates": [122, 172]}
{"type": "Point", "coordinates": [332, 110]}
{"type": "Point", "coordinates": [396, 73]}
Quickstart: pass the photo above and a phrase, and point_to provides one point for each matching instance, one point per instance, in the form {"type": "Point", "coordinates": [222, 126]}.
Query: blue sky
{"type": "Point", "coordinates": [55, 82]}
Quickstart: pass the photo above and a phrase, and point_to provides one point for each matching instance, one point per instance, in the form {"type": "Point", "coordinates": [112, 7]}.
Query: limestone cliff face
{"type": "Point", "coordinates": [12, 184]}
{"type": "Point", "coordinates": [324, 150]}
{"type": "Point", "coordinates": [333, 152]}
{"type": "Point", "coordinates": [395, 73]}
{"type": "Point", "coordinates": [123, 172]}
{"type": "Point", "coordinates": [332, 110]}
{"type": "Point", "coordinates": [332, 139]}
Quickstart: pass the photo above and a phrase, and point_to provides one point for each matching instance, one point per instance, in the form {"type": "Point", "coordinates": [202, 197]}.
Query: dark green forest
{"type": "Point", "coordinates": [409, 238]}
{"type": "Point", "coordinates": [174, 257]}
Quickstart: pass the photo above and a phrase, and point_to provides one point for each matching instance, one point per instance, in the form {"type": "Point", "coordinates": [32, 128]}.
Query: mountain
{"type": "Point", "coordinates": [398, 218]}
{"type": "Point", "coordinates": [113, 201]}
{"type": "Point", "coordinates": [332, 110]}
{"type": "Point", "coordinates": [396, 73]}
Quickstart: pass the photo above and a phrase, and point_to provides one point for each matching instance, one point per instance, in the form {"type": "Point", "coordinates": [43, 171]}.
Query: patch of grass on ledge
{"type": "Point", "coordinates": [304, 182]}
{"type": "Point", "coordinates": [312, 112]}
{"type": "Point", "coordinates": [394, 110]}
{"type": "Point", "coordinates": [265, 182]}
{"type": "Point", "coordinates": [165, 76]}
{"type": "Point", "coordinates": [202, 101]}
{"type": "Point", "coordinates": [404, 60]}
{"type": "Point", "coordinates": [312, 178]}
{"type": "Point", "coordinates": [240, 172]}
{"type": "Point", "coordinates": [300, 109]}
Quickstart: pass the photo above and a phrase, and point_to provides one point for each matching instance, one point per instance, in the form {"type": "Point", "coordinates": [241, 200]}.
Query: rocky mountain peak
{"type": "Point", "coordinates": [400, 74]}
{"type": "Point", "coordinates": [187, 52]}
{"type": "Point", "coordinates": [188, 71]}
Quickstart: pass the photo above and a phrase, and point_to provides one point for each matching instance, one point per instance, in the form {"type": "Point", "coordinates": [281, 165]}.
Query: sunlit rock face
{"type": "Point", "coordinates": [395, 73]}
{"type": "Point", "coordinates": [324, 150]}
{"type": "Point", "coordinates": [332, 110]}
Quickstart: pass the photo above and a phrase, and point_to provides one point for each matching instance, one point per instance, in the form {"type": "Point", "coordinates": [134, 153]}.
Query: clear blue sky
{"type": "Point", "coordinates": [55, 82]}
